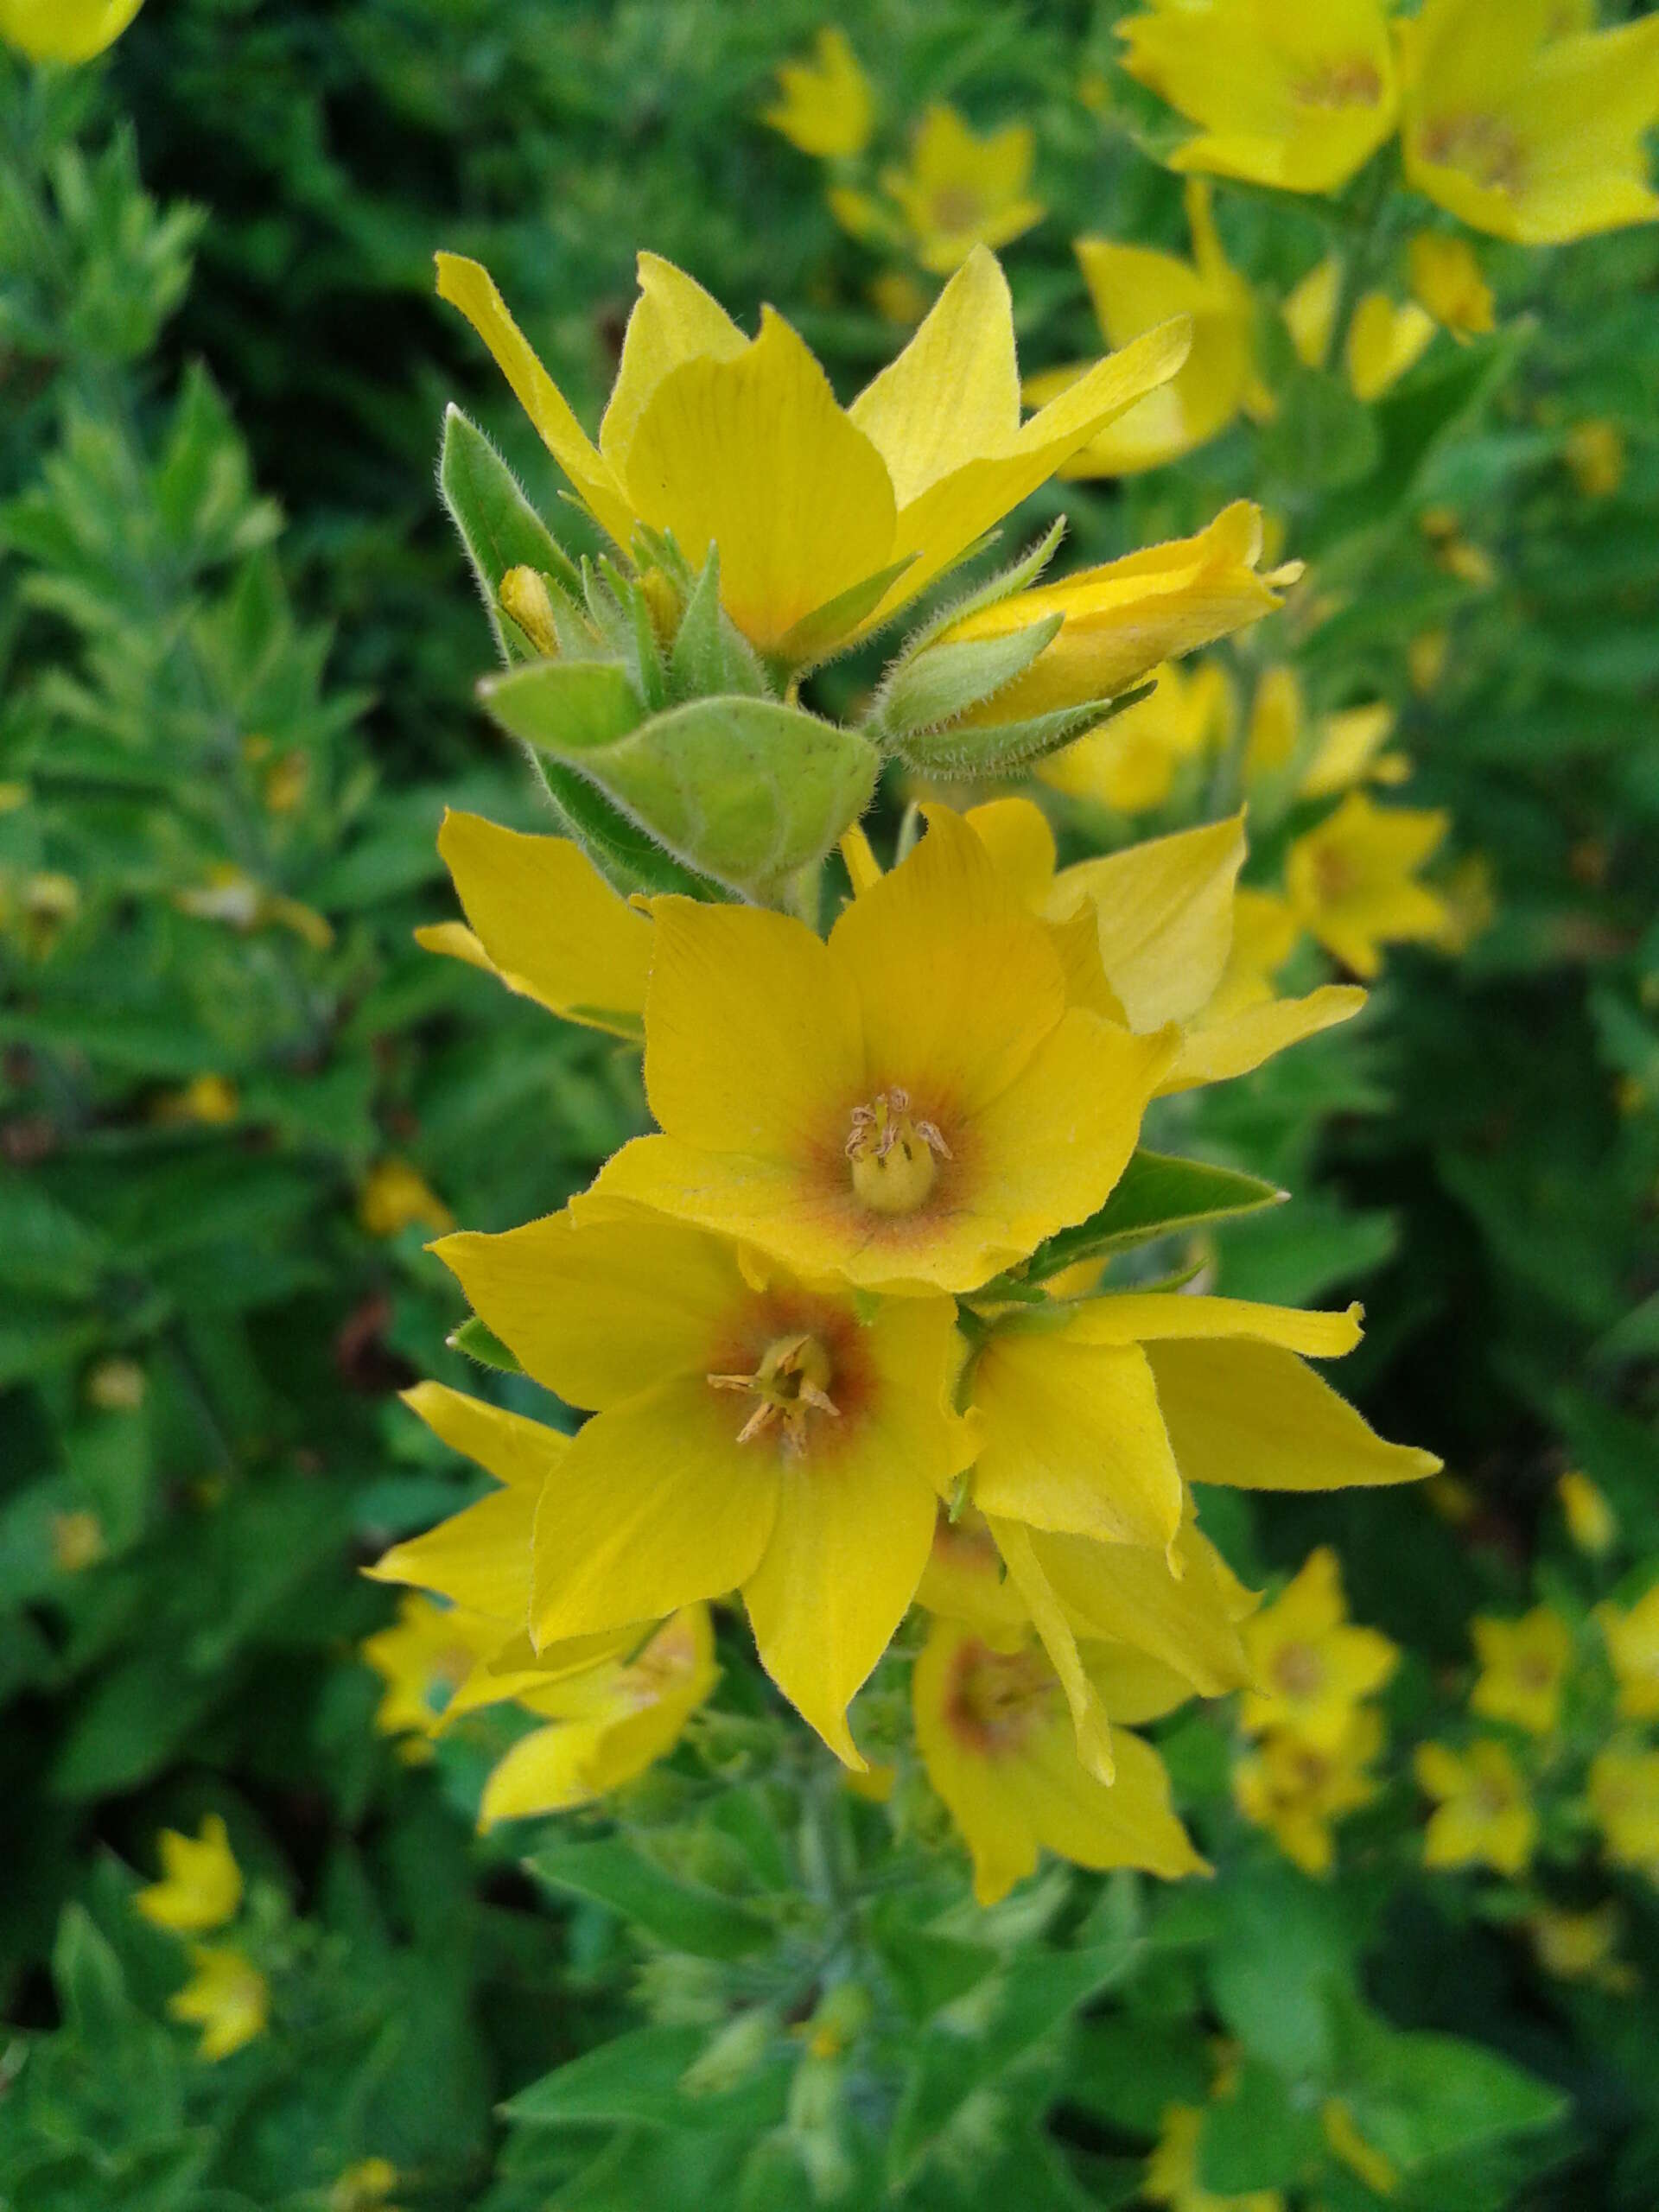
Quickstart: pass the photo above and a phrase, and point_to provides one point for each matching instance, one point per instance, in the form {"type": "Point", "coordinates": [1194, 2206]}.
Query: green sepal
{"type": "Point", "coordinates": [710, 657]}
{"type": "Point", "coordinates": [499, 527]}
{"type": "Point", "coordinates": [1019, 575]}
{"type": "Point", "coordinates": [483, 1344]}
{"type": "Point", "coordinates": [823, 631]}
{"type": "Point", "coordinates": [925, 691]}
{"type": "Point", "coordinates": [1003, 748]}
{"type": "Point", "coordinates": [1156, 1196]}
{"type": "Point", "coordinates": [746, 791]}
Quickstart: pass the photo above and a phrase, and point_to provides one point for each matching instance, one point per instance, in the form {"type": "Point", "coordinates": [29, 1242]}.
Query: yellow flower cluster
{"type": "Point", "coordinates": [1521, 120]}
{"type": "Point", "coordinates": [1317, 1734]}
{"type": "Point", "coordinates": [200, 1890]}
{"type": "Point", "coordinates": [831, 1362]}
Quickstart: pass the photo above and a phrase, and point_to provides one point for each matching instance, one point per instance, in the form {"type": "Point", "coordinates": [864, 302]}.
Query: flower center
{"type": "Point", "coordinates": [995, 1697]}
{"type": "Point", "coordinates": [1350, 82]}
{"type": "Point", "coordinates": [1492, 1799]}
{"type": "Point", "coordinates": [1481, 146]}
{"type": "Point", "coordinates": [957, 207]}
{"type": "Point", "coordinates": [1335, 875]}
{"type": "Point", "coordinates": [894, 1154]}
{"type": "Point", "coordinates": [790, 1385]}
{"type": "Point", "coordinates": [1298, 1671]}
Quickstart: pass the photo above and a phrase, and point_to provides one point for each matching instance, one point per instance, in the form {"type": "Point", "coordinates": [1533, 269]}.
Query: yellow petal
{"type": "Point", "coordinates": [598, 1312]}
{"type": "Point", "coordinates": [953, 394]}
{"type": "Point", "coordinates": [1126, 1593]}
{"type": "Point", "coordinates": [1091, 1730]}
{"type": "Point", "coordinates": [1130, 1824]}
{"type": "Point", "coordinates": [655, 1505]}
{"type": "Point", "coordinates": [549, 922]}
{"type": "Point", "coordinates": [469, 287]}
{"type": "Point", "coordinates": [1134, 1316]}
{"type": "Point", "coordinates": [1132, 1686]}
{"type": "Point", "coordinates": [754, 1037]}
{"type": "Point", "coordinates": [958, 982]}
{"type": "Point", "coordinates": [1215, 1050]}
{"type": "Point", "coordinates": [754, 456]}
{"type": "Point", "coordinates": [984, 1801]}
{"type": "Point", "coordinates": [673, 321]}
{"type": "Point", "coordinates": [1016, 835]}
{"type": "Point", "coordinates": [1164, 909]}
{"type": "Point", "coordinates": [1073, 1440]}
{"type": "Point", "coordinates": [855, 1523]}
{"type": "Point", "coordinates": [478, 1558]}
{"type": "Point", "coordinates": [1254, 1417]}
{"type": "Point", "coordinates": [517, 1452]}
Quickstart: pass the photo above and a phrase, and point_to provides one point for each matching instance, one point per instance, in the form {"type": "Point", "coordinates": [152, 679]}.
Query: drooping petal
{"type": "Point", "coordinates": [550, 923]}
{"type": "Point", "coordinates": [597, 1311]}
{"type": "Point", "coordinates": [1164, 909]}
{"type": "Point", "coordinates": [468, 286]}
{"type": "Point", "coordinates": [1253, 1416]}
{"type": "Point", "coordinates": [1136, 1317]}
{"type": "Point", "coordinates": [657, 1504]}
{"type": "Point", "coordinates": [753, 1037]}
{"type": "Point", "coordinates": [1073, 1440]}
{"type": "Point", "coordinates": [1126, 1593]}
{"type": "Point", "coordinates": [753, 454]}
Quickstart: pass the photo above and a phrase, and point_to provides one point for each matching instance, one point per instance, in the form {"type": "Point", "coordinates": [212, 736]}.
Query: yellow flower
{"type": "Point", "coordinates": [748, 1432]}
{"type": "Point", "coordinates": [212, 1100]}
{"type": "Point", "coordinates": [1345, 2141]}
{"type": "Point", "coordinates": [912, 1103]}
{"type": "Point", "coordinates": [1119, 620]}
{"type": "Point", "coordinates": [1130, 763]}
{"type": "Point", "coordinates": [606, 1724]}
{"type": "Point", "coordinates": [226, 1997]}
{"type": "Point", "coordinates": [1135, 288]}
{"type": "Point", "coordinates": [1446, 279]}
{"type": "Point", "coordinates": [959, 191]}
{"type": "Point", "coordinates": [1340, 750]}
{"type": "Point", "coordinates": [1580, 1946]}
{"type": "Point", "coordinates": [1523, 122]}
{"type": "Point", "coordinates": [1595, 454]}
{"type": "Point", "coordinates": [1624, 1800]}
{"type": "Point", "coordinates": [423, 1658]}
{"type": "Point", "coordinates": [544, 921]}
{"type": "Point", "coordinates": [78, 1541]}
{"type": "Point", "coordinates": [898, 298]}
{"type": "Point", "coordinates": [1311, 1667]}
{"type": "Point", "coordinates": [1384, 337]}
{"type": "Point", "coordinates": [826, 105]}
{"type": "Point", "coordinates": [1352, 881]}
{"type": "Point", "coordinates": [997, 1744]}
{"type": "Point", "coordinates": [1297, 93]}
{"type": "Point", "coordinates": [1524, 1666]}
{"type": "Point", "coordinates": [1146, 936]}
{"type": "Point", "coordinates": [1173, 2172]}
{"type": "Point", "coordinates": [395, 1196]}
{"type": "Point", "coordinates": [1482, 1817]}
{"type": "Point", "coordinates": [827, 520]}
{"type": "Point", "coordinates": [64, 30]}
{"type": "Point", "coordinates": [201, 1883]}
{"type": "Point", "coordinates": [1295, 1791]}
{"type": "Point", "coordinates": [364, 2186]}
{"type": "Point", "coordinates": [1632, 1635]}
{"type": "Point", "coordinates": [1591, 1521]}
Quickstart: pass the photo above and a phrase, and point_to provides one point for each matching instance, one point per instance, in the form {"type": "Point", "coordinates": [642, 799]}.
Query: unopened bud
{"type": "Point", "coordinates": [526, 597]}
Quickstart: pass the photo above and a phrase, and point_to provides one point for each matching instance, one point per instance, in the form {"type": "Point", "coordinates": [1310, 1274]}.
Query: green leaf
{"type": "Point", "coordinates": [1418, 2096]}
{"type": "Point", "coordinates": [929, 1971]}
{"type": "Point", "coordinates": [683, 1915]}
{"type": "Point", "coordinates": [1283, 1960]}
{"type": "Point", "coordinates": [745, 791]}
{"type": "Point", "coordinates": [634, 2077]}
{"type": "Point", "coordinates": [1156, 1195]}
{"type": "Point", "coordinates": [1015, 577]}
{"type": "Point", "coordinates": [1321, 437]}
{"type": "Point", "coordinates": [1257, 2136]}
{"type": "Point", "coordinates": [499, 527]}
{"type": "Point", "coordinates": [625, 855]}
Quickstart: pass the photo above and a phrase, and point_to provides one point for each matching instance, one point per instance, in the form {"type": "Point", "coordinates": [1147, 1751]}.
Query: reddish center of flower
{"type": "Point", "coordinates": [789, 1386]}
{"type": "Point", "coordinates": [957, 207]}
{"type": "Point", "coordinates": [1299, 1671]}
{"type": "Point", "coordinates": [894, 1153]}
{"type": "Point", "coordinates": [996, 1698]}
{"type": "Point", "coordinates": [1335, 875]}
{"type": "Point", "coordinates": [1345, 81]}
{"type": "Point", "coordinates": [1533, 1674]}
{"type": "Point", "coordinates": [1480, 145]}
{"type": "Point", "coordinates": [1492, 1799]}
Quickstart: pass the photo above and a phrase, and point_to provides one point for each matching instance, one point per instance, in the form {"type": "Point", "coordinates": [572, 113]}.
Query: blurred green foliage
{"type": "Point", "coordinates": [238, 646]}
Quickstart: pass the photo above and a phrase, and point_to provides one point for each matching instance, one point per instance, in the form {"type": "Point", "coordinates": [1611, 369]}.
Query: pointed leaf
{"type": "Point", "coordinates": [936, 686]}
{"type": "Point", "coordinates": [1003, 748]}
{"type": "Point", "coordinates": [683, 1914]}
{"type": "Point", "coordinates": [1156, 1196]}
{"type": "Point", "coordinates": [710, 657]}
{"type": "Point", "coordinates": [499, 527]}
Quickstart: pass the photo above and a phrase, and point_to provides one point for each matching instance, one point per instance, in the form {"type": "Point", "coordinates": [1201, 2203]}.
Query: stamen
{"type": "Point", "coordinates": [893, 1152]}
{"type": "Point", "coordinates": [788, 1387]}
